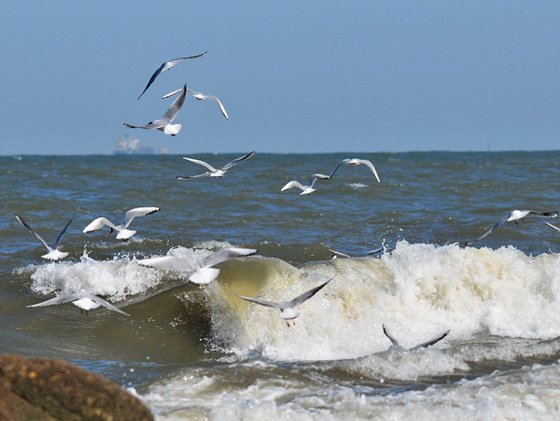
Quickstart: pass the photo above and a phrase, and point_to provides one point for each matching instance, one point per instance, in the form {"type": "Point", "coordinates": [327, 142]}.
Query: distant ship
{"type": "Point", "coordinates": [130, 146]}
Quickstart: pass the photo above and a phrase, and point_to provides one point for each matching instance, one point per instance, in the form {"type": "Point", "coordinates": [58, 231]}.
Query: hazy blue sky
{"type": "Point", "coordinates": [295, 76]}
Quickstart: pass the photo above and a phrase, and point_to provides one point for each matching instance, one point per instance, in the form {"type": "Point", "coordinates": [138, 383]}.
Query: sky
{"type": "Point", "coordinates": [295, 76]}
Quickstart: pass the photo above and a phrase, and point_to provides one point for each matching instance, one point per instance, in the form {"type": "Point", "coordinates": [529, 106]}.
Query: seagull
{"type": "Point", "coordinates": [396, 344]}
{"type": "Point", "coordinates": [203, 272]}
{"type": "Point", "coordinates": [83, 299]}
{"type": "Point", "coordinates": [200, 96]}
{"type": "Point", "coordinates": [53, 252]}
{"type": "Point", "coordinates": [164, 123]}
{"type": "Point", "coordinates": [306, 189]}
{"type": "Point", "coordinates": [287, 308]}
{"type": "Point", "coordinates": [213, 171]}
{"type": "Point", "coordinates": [356, 161]}
{"type": "Point", "coordinates": [123, 233]}
{"type": "Point", "coordinates": [514, 216]}
{"type": "Point", "coordinates": [166, 66]}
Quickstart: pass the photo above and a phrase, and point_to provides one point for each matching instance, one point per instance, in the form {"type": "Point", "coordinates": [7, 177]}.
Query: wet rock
{"type": "Point", "coordinates": [47, 389]}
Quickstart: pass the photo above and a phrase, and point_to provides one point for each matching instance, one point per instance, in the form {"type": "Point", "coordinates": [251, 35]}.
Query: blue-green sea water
{"type": "Point", "coordinates": [200, 352]}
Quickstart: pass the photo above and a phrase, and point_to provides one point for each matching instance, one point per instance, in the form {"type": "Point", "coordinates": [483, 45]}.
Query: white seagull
{"type": "Point", "coordinates": [514, 216]}
{"type": "Point", "coordinates": [84, 300]}
{"type": "Point", "coordinates": [200, 96]}
{"type": "Point", "coordinates": [164, 123]}
{"type": "Point", "coordinates": [213, 171]}
{"type": "Point", "coordinates": [356, 161]}
{"type": "Point", "coordinates": [288, 308]}
{"type": "Point", "coordinates": [201, 267]}
{"type": "Point", "coordinates": [122, 232]}
{"type": "Point", "coordinates": [166, 66]}
{"type": "Point", "coordinates": [396, 344]}
{"type": "Point", "coordinates": [306, 189]}
{"type": "Point", "coordinates": [53, 252]}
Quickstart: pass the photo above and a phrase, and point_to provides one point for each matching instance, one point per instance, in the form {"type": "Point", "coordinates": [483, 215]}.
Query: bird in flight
{"type": "Point", "coordinates": [201, 267]}
{"type": "Point", "coordinates": [288, 308]}
{"type": "Point", "coordinates": [308, 189]}
{"type": "Point", "coordinates": [356, 161]}
{"type": "Point", "coordinates": [514, 215]}
{"type": "Point", "coordinates": [123, 233]}
{"type": "Point", "coordinates": [53, 252]}
{"type": "Point", "coordinates": [200, 96]}
{"type": "Point", "coordinates": [396, 344]}
{"type": "Point", "coordinates": [82, 299]}
{"type": "Point", "coordinates": [213, 171]}
{"type": "Point", "coordinates": [166, 66]}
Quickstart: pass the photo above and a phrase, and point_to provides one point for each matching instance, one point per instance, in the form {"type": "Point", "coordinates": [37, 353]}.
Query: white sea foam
{"type": "Point", "coordinates": [533, 392]}
{"type": "Point", "coordinates": [417, 290]}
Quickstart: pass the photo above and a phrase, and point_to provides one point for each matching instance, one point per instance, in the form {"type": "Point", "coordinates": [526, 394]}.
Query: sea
{"type": "Point", "coordinates": [199, 352]}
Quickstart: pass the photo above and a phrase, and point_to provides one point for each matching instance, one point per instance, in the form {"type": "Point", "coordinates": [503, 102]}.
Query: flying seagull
{"type": "Point", "coordinates": [201, 267]}
{"type": "Point", "coordinates": [164, 123]}
{"type": "Point", "coordinates": [356, 161]}
{"type": "Point", "coordinates": [122, 232]}
{"type": "Point", "coordinates": [308, 189]}
{"type": "Point", "coordinates": [166, 66]}
{"type": "Point", "coordinates": [514, 215]}
{"type": "Point", "coordinates": [396, 344]}
{"type": "Point", "coordinates": [200, 96]}
{"type": "Point", "coordinates": [288, 308]}
{"type": "Point", "coordinates": [84, 300]}
{"type": "Point", "coordinates": [53, 252]}
{"type": "Point", "coordinates": [213, 171]}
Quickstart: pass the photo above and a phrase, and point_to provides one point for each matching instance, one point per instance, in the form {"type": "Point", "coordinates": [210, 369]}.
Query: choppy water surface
{"type": "Point", "coordinates": [199, 352]}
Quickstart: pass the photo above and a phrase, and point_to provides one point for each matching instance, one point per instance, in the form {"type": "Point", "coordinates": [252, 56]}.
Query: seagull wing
{"type": "Point", "coordinates": [431, 342]}
{"type": "Point", "coordinates": [237, 161]}
{"type": "Point", "coordinates": [491, 230]}
{"type": "Point", "coordinates": [163, 67]}
{"type": "Point", "coordinates": [336, 168]}
{"type": "Point", "coordinates": [316, 177]}
{"type": "Point", "coordinates": [156, 74]}
{"type": "Point", "coordinates": [176, 60]}
{"type": "Point", "coordinates": [102, 302]}
{"type": "Point", "coordinates": [393, 340]}
{"type": "Point", "coordinates": [189, 177]}
{"type": "Point", "coordinates": [173, 111]}
{"type": "Point", "coordinates": [99, 223]}
{"type": "Point", "coordinates": [61, 299]}
{"type": "Point", "coordinates": [133, 213]}
{"type": "Point", "coordinates": [293, 183]}
{"type": "Point", "coordinates": [553, 226]}
{"type": "Point", "coordinates": [544, 214]}
{"type": "Point", "coordinates": [307, 295]}
{"type": "Point", "coordinates": [178, 264]}
{"type": "Point", "coordinates": [174, 93]}
{"type": "Point", "coordinates": [63, 232]}
{"type": "Point", "coordinates": [262, 302]}
{"type": "Point", "coordinates": [199, 162]}
{"type": "Point", "coordinates": [200, 95]}
{"type": "Point", "coordinates": [151, 125]}
{"type": "Point", "coordinates": [370, 166]}
{"type": "Point", "coordinates": [223, 255]}
{"type": "Point", "coordinates": [22, 222]}
{"type": "Point", "coordinates": [339, 253]}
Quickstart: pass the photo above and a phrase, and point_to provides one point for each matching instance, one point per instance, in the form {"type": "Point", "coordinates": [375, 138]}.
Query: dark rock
{"type": "Point", "coordinates": [47, 389]}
